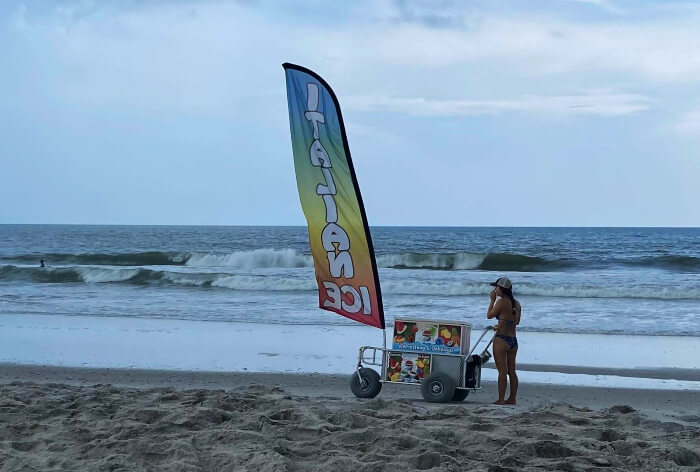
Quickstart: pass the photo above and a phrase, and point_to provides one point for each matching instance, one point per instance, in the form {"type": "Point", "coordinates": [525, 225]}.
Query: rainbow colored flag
{"type": "Point", "coordinates": [341, 245]}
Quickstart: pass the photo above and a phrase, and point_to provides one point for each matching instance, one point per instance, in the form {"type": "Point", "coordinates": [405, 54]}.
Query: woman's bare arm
{"type": "Point", "coordinates": [494, 308]}
{"type": "Point", "coordinates": [518, 310]}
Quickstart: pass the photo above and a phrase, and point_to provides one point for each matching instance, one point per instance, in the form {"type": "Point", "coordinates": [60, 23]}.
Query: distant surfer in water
{"type": "Point", "coordinates": [505, 345]}
{"type": "Point", "coordinates": [41, 263]}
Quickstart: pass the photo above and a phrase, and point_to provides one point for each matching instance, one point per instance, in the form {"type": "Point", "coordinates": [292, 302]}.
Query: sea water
{"type": "Point", "coordinates": [569, 280]}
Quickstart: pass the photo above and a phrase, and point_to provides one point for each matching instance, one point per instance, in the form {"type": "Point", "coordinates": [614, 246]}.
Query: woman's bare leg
{"type": "Point", "coordinates": [500, 355]}
{"type": "Point", "coordinates": [510, 355]}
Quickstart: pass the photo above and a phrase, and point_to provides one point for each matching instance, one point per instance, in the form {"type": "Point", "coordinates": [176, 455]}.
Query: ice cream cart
{"type": "Point", "coordinates": [433, 355]}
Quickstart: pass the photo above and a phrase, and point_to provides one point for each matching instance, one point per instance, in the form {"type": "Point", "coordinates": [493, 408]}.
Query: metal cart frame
{"type": "Point", "coordinates": [454, 366]}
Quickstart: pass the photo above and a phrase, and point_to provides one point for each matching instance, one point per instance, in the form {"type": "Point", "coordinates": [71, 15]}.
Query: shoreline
{"type": "Point", "coordinates": [668, 373]}
{"type": "Point", "coordinates": [645, 362]}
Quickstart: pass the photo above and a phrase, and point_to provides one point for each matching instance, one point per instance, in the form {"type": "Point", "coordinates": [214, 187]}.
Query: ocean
{"type": "Point", "coordinates": [569, 280]}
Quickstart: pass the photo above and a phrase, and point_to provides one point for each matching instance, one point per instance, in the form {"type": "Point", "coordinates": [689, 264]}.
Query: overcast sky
{"type": "Point", "coordinates": [506, 113]}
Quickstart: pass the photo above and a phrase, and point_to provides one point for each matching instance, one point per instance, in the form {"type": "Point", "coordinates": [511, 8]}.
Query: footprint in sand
{"type": "Point", "coordinates": [24, 446]}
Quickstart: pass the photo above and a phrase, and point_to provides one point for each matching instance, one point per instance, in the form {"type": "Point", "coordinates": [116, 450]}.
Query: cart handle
{"type": "Point", "coordinates": [361, 359]}
{"type": "Point", "coordinates": [486, 330]}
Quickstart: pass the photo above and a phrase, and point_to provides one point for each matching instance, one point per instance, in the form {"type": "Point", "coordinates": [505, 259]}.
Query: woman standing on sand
{"type": "Point", "coordinates": [505, 345]}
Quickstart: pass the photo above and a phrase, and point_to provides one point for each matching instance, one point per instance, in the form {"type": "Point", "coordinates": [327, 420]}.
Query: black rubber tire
{"type": "Point", "coordinates": [370, 385]}
{"type": "Point", "coordinates": [437, 388]}
{"type": "Point", "coordinates": [460, 395]}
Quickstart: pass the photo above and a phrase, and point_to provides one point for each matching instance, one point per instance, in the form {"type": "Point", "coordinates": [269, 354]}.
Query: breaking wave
{"type": "Point", "coordinates": [141, 276]}
{"type": "Point", "coordinates": [471, 261]}
{"type": "Point", "coordinates": [276, 283]}
{"type": "Point", "coordinates": [258, 258]}
{"type": "Point", "coordinates": [257, 283]}
{"type": "Point", "coordinates": [290, 258]}
{"type": "Point", "coordinates": [411, 260]}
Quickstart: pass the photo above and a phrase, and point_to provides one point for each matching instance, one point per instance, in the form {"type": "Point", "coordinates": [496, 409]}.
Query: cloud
{"type": "Point", "coordinates": [596, 103]}
{"type": "Point", "coordinates": [664, 51]}
{"type": "Point", "coordinates": [604, 4]}
{"type": "Point", "coordinates": [203, 56]}
{"type": "Point", "coordinates": [186, 56]}
{"type": "Point", "coordinates": [689, 124]}
{"type": "Point", "coordinates": [165, 56]}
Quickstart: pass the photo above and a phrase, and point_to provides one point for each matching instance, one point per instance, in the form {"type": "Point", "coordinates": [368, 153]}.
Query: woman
{"type": "Point", "coordinates": [505, 345]}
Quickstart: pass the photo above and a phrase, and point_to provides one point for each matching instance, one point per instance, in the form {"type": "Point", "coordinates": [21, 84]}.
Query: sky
{"type": "Point", "coordinates": [479, 113]}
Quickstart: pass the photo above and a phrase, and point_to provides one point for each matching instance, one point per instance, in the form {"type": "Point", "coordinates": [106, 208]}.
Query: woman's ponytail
{"type": "Point", "coordinates": [508, 292]}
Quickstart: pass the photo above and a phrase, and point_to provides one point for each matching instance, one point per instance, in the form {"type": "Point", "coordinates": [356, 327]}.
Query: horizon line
{"type": "Point", "coordinates": [371, 226]}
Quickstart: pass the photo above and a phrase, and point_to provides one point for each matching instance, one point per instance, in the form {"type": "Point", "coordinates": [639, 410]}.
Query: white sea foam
{"type": "Point", "coordinates": [103, 275]}
{"type": "Point", "coordinates": [181, 278]}
{"type": "Point", "coordinates": [588, 291]}
{"type": "Point", "coordinates": [243, 282]}
{"type": "Point", "coordinates": [259, 258]}
{"type": "Point", "coordinates": [392, 283]}
{"type": "Point", "coordinates": [459, 261]}
{"type": "Point", "coordinates": [414, 287]}
{"type": "Point", "coordinates": [289, 258]}
{"type": "Point", "coordinates": [389, 285]}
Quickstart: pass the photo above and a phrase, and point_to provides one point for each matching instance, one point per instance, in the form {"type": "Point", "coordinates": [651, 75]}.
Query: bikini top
{"type": "Point", "coordinates": [510, 322]}
{"type": "Point", "coordinates": [506, 321]}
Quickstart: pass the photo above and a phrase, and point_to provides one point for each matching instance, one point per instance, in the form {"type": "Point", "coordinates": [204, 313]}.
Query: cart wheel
{"type": "Point", "coordinates": [369, 386]}
{"type": "Point", "coordinates": [437, 388]}
{"type": "Point", "coordinates": [460, 395]}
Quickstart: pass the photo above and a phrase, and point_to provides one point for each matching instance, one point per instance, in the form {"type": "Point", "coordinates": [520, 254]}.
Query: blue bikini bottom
{"type": "Point", "coordinates": [511, 340]}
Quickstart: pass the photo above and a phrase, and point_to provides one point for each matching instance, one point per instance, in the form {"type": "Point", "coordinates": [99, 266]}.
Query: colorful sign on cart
{"type": "Point", "coordinates": [407, 367]}
{"type": "Point", "coordinates": [427, 337]}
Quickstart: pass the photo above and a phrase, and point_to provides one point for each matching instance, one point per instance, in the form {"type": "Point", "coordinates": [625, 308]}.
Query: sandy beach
{"type": "Point", "coordinates": [57, 418]}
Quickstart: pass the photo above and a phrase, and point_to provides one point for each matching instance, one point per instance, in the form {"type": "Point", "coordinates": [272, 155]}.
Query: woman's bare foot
{"type": "Point", "coordinates": [499, 402]}
{"type": "Point", "coordinates": [509, 402]}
